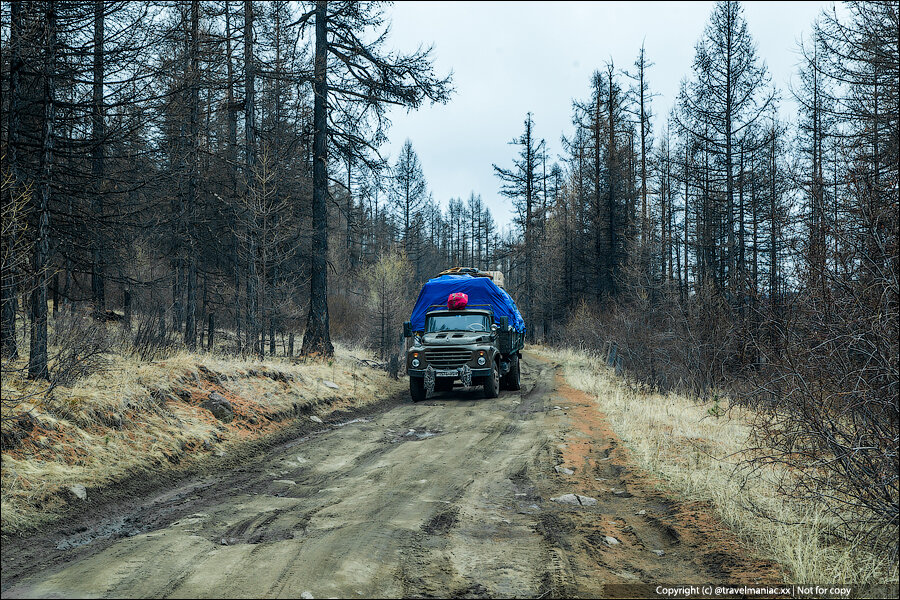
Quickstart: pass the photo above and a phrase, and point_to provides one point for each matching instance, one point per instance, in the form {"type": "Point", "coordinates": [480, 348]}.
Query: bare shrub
{"type": "Point", "coordinates": [833, 406]}
{"type": "Point", "coordinates": [78, 348]}
{"type": "Point", "coordinates": [80, 342]}
{"type": "Point", "coordinates": [152, 339]}
{"type": "Point", "coordinates": [662, 340]}
{"type": "Point", "coordinates": [345, 317]}
{"type": "Point", "coordinates": [390, 296]}
{"type": "Point", "coordinates": [583, 329]}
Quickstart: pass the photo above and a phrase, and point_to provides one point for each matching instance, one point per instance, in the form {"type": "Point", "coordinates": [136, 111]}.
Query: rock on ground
{"type": "Point", "coordinates": [219, 406]}
{"type": "Point", "coordinates": [576, 499]}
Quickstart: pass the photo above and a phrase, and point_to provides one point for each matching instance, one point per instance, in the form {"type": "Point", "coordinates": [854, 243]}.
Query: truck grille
{"type": "Point", "coordinates": [447, 358]}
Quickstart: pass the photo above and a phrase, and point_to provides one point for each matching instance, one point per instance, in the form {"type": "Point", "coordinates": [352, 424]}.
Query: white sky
{"type": "Point", "coordinates": [509, 58]}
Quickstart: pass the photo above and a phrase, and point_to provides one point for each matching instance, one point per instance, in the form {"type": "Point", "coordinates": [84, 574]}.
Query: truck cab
{"type": "Point", "coordinates": [469, 346]}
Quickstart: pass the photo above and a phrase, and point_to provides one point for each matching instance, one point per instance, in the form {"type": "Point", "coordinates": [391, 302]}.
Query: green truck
{"type": "Point", "coordinates": [478, 345]}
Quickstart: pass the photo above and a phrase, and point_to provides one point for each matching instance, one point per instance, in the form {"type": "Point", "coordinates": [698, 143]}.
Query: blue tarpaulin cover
{"type": "Point", "coordinates": [481, 291]}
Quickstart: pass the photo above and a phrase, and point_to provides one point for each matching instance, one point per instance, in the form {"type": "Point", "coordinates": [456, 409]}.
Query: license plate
{"type": "Point", "coordinates": [442, 373]}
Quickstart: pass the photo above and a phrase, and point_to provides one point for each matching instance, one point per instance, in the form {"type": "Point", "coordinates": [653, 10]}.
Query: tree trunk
{"type": "Point", "coordinates": [602, 256]}
{"type": "Point", "coordinates": [316, 339]}
{"type": "Point", "coordinates": [98, 134]}
{"type": "Point", "coordinates": [177, 285]}
{"type": "Point", "coordinates": [232, 159]}
{"type": "Point", "coordinates": [250, 140]}
{"type": "Point", "coordinates": [729, 163]}
{"type": "Point", "coordinates": [741, 258]}
{"type": "Point", "coordinates": [774, 300]}
{"type": "Point", "coordinates": [54, 293]}
{"type": "Point", "coordinates": [127, 302]}
{"type": "Point", "coordinates": [644, 217]}
{"type": "Point", "coordinates": [611, 203]}
{"type": "Point", "coordinates": [687, 213]}
{"type": "Point", "coordinates": [529, 234]}
{"type": "Point", "coordinates": [37, 358]}
{"type": "Point", "coordinates": [8, 287]}
{"type": "Point", "coordinates": [190, 323]}
{"type": "Point", "coordinates": [348, 242]}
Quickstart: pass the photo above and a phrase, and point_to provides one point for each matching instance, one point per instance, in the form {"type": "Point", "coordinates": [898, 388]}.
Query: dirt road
{"type": "Point", "coordinates": [450, 497]}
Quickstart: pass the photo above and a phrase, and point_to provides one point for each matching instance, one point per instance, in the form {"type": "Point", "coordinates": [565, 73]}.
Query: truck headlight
{"type": "Point", "coordinates": [415, 362]}
{"type": "Point", "coordinates": [481, 361]}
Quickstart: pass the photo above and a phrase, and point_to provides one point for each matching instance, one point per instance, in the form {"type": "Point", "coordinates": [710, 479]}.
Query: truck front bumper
{"type": "Point", "coordinates": [480, 372]}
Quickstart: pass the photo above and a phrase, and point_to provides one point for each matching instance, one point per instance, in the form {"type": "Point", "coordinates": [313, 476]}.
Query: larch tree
{"type": "Point", "coordinates": [728, 93]}
{"type": "Point", "coordinates": [645, 116]}
{"type": "Point", "coordinates": [522, 184]}
{"type": "Point", "coordinates": [409, 191]}
{"type": "Point", "coordinates": [37, 357]}
{"type": "Point", "coordinates": [350, 70]}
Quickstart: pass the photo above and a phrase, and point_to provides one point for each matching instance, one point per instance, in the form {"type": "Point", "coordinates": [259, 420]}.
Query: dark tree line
{"type": "Point", "coordinates": [181, 163]}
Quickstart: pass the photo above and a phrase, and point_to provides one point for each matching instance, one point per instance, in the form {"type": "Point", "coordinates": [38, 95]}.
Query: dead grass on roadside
{"type": "Point", "coordinates": [139, 416]}
{"type": "Point", "coordinates": [700, 456]}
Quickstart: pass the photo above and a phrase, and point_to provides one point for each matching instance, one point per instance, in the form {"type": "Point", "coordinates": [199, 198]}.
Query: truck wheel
{"type": "Point", "coordinates": [513, 378]}
{"type": "Point", "coordinates": [492, 383]}
{"type": "Point", "coordinates": [417, 388]}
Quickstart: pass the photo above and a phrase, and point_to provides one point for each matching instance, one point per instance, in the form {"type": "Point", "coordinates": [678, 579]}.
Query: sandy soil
{"type": "Point", "coordinates": [447, 498]}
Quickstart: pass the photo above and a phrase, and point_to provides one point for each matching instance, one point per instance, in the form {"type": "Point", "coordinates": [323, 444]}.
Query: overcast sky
{"type": "Point", "coordinates": [509, 58]}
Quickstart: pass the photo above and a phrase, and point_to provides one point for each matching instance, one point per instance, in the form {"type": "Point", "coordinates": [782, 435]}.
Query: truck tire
{"type": "Point", "coordinates": [513, 378]}
{"type": "Point", "coordinates": [417, 389]}
{"type": "Point", "coordinates": [492, 383]}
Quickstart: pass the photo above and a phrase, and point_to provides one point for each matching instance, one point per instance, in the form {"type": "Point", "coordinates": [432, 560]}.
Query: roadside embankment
{"type": "Point", "coordinates": [139, 419]}
{"type": "Point", "coordinates": [703, 452]}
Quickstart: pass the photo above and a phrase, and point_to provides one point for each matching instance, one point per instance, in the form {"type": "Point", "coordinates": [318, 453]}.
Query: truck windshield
{"type": "Point", "coordinates": [473, 322]}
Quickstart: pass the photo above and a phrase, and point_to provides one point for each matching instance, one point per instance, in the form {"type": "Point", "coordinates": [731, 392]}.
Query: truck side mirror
{"type": "Point", "coordinates": [407, 329]}
{"type": "Point", "coordinates": [504, 323]}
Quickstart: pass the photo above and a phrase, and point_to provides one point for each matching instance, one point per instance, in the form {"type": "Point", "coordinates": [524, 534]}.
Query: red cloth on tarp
{"type": "Point", "coordinates": [457, 301]}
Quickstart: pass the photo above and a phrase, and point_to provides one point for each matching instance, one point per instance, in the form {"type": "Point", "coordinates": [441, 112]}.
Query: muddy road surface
{"type": "Point", "coordinates": [527, 495]}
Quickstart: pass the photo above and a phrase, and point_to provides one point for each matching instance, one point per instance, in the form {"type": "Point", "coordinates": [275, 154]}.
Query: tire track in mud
{"type": "Point", "coordinates": [447, 497]}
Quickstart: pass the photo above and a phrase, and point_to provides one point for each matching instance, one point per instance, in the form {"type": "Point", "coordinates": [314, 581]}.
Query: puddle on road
{"type": "Point", "coordinates": [121, 527]}
{"type": "Point", "coordinates": [351, 422]}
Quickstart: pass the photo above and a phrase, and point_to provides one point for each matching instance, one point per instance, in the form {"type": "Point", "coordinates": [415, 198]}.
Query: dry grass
{"type": "Point", "coordinates": [699, 455]}
{"type": "Point", "coordinates": [138, 416]}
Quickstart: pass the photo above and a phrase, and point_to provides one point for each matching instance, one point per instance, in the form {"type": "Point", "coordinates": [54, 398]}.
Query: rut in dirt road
{"type": "Point", "coordinates": [450, 497]}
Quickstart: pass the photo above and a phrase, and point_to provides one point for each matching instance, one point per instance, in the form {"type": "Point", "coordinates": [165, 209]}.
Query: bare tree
{"type": "Point", "coordinates": [409, 190]}
{"type": "Point", "coordinates": [521, 184]}
{"type": "Point", "coordinates": [37, 357]}
{"type": "Point", "coordinates": [362, 75]}
{"type": "Point", "coordinates": [727, 95]}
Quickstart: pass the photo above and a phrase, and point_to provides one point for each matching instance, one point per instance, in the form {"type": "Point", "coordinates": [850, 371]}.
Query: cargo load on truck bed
{"type": "Point", "coordinates": [482, 293]}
